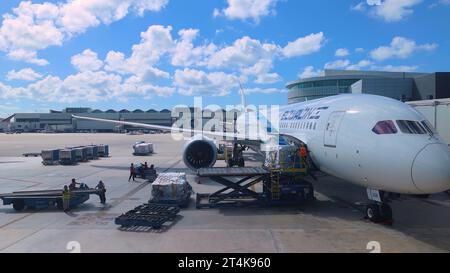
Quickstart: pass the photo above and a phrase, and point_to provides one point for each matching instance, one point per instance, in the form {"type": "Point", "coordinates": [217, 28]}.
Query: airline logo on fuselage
{"type": "Point", "coordinates": [303, 114]}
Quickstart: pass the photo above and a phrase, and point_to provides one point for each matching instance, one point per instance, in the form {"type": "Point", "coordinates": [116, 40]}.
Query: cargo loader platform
{"type": "Point", "coordinates": [279, 188]}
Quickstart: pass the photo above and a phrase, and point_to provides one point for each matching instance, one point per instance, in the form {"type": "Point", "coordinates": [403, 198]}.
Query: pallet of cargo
{"type": "Point", "coordinates": [148, 215]}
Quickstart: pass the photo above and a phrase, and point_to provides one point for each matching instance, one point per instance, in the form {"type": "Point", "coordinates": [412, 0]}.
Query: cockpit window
{"type": "Point", "coordinates": [427, 125]}
{"type": "Point", "coordinates": [411, 127]}
{"type": "Point", "coordinates": [386, 127]}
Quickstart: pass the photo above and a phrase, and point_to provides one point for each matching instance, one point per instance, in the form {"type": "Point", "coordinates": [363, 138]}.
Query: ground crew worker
{"type": "Point", "coordinates": [132, 173]}
{"type": "Point", "coordinates": [73, 185]}
{"type": "Point", "coordinates": [304, 154]}
{"type": "Point", "coordinates": [66, 198]}
{"type": "Point", "coordinates": [102, 195]}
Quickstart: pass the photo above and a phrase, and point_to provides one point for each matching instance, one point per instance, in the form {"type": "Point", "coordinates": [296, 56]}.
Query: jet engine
{"type": "Point", "coordinates": [200, 152]}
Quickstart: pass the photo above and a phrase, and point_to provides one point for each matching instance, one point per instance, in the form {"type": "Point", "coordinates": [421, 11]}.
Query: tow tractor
{"type": "Point", "coordinates": [47, 199]}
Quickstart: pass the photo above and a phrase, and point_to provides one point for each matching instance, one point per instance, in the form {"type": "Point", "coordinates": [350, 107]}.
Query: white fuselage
{"type": "Point", "coordinates": [339, 134]}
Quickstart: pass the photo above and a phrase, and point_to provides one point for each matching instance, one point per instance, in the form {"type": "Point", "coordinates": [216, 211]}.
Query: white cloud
{"type": "Point", "coordinates": [216, 13]}
{"type": "Point", "coordinates": [26, 74]}
{"type": "Point", "coordinates": [33, 27]}
{"type": "Point", "coordinates": [264, 90]}
{"type": "Point", "coordinates": [155, 42]}
{"type": "Point", "coordinates": [305, 45]}
{"type": "Point", "coordinates": [8, 92]}
{"type": "Point", "coordinates": [261, 71]}
{"type": "Point", "coordinates": [27, 56]}
{"type": "Point", "coordinates": [388, 10]}
{"type": "Point", "coordinates": [185, 54]}
{"type": "Point", "coordinates": [87, 61]}
{"type": "Point", "coordinates": [359, 50]}
{"type": "Point", "coordinates": [342, 52]}
{"type": "Point", "coordinates": [79, 15]}
{"type": "Point", "coordinates": [339, 64]}
{"type": "Point", "coordinates": [247, 9]}
{"type": "Point", "coordinates": [310, 72]}
{"type": "Point", "coordinates": [361, 6]}
{"type": "Point", "coordinates": [190, 82]}
{"type": "Point", "coordinates": [205, 68]}
{"type": "Point", "coordinates": [400, 47]}
{"type": "Point", "coordinates": [30, 28]}
{"type": "Point", "coordinates": [395, 10]}
{"type": "Point", "coordinates": [360, 65]}
{"type": "Point", "coordinates": [243, 53]}
{"type": "Point", "coordinates": [134, 86]}
{"type": "Point", "coordinates": [85, 86]}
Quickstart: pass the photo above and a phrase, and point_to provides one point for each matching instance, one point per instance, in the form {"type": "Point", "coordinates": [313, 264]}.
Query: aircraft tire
{"type": "Point", "coordinates": [373, 213]}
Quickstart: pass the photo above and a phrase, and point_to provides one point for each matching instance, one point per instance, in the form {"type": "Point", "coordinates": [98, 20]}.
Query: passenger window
{"type": "Point", "coordinates": [411, 127]}
{"type": "Point", "coordinates": [386, 127]}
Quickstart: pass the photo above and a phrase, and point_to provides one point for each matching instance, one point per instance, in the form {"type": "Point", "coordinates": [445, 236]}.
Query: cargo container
{"type": "Point", "coordinates": [50, 157]}
{"type": "Point", "coordinates": [103, 150]}
{"type": "Point", "coordinates": [67, 157]}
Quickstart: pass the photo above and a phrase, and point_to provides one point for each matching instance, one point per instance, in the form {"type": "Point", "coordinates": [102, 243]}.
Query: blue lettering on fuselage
{"type": "Point", "coordinates": [303, 114]}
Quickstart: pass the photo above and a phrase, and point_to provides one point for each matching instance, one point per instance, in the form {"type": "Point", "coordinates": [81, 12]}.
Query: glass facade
{"type": "Point", "coordinates": [310, 90]}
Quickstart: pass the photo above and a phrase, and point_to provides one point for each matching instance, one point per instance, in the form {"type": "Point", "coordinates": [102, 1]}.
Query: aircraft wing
{"type": "Point", "coordinates": [176, 130]}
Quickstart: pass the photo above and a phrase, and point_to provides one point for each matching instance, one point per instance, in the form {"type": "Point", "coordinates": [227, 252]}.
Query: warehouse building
{"type": "Point", "coordinates": [2, 125]}
{"type": "Point", "coordinates": [404, 86]}
{"type": "Point", "coordinates": [61, 121]}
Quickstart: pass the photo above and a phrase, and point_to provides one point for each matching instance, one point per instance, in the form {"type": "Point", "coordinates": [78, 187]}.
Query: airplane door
{"type": "Point", "coordinates": [332, 129]}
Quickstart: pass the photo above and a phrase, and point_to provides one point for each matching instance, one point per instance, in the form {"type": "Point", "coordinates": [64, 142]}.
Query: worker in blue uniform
{"type": "Point", "coordinates": [102, 194]}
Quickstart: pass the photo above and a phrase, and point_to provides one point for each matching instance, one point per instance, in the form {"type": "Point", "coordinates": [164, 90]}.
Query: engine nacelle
{"type": "Point", "coordinates": [200, 152]}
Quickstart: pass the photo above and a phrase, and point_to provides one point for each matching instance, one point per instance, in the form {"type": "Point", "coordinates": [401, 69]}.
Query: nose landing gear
{"type": "Point", "coordinates": [379, 211]}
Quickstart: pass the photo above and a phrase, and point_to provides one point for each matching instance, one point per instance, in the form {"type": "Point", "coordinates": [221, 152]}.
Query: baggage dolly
{"type": "Point", "coordinates": [46, 199]}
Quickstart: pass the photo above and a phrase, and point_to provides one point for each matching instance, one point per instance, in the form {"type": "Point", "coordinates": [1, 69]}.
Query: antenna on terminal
{"type": "Point", "coordinates": [242, 92]}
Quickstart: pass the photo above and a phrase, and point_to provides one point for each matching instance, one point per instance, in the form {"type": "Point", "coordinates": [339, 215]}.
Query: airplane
{"type": "Point", "coordinates": [376, 142]}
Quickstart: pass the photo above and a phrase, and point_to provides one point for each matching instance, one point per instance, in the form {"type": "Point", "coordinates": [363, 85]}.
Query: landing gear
{"type": "Point", "coordinates": [237, 158]}
{"type": "Point", "coordinates": [379, 211]}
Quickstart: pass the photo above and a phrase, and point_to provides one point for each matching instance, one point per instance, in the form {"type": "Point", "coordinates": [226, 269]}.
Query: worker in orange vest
{"type": "Point", "coordinates": [304, 154]}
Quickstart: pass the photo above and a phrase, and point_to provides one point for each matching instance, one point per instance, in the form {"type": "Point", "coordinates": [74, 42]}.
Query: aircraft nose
{"type": "Point", "coordinates": [431, 169]}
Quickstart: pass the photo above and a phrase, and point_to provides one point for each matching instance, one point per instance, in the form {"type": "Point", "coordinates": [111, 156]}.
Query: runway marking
{"type": "Point", "coordinates": [23, 181]}
{"type": "Point", "coordinates": [16, 220]}
{"type": "Point", "coordinates": [26, 236]}
{"type": "Point", "coordinates": [276, 241]}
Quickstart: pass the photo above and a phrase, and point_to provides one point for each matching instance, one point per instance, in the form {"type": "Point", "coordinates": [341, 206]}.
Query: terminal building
{"type": "Point", "coordinates": [404, 86]}
{"type": "Point", "coordinates": [62, 121]}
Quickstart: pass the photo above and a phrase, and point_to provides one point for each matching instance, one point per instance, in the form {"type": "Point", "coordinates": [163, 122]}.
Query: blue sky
{"type": "Point", "coordinates": [160, 53]}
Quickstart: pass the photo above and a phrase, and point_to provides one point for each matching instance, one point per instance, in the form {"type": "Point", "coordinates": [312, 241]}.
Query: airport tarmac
{"type": "Point", "coordinates": [333, 223]}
